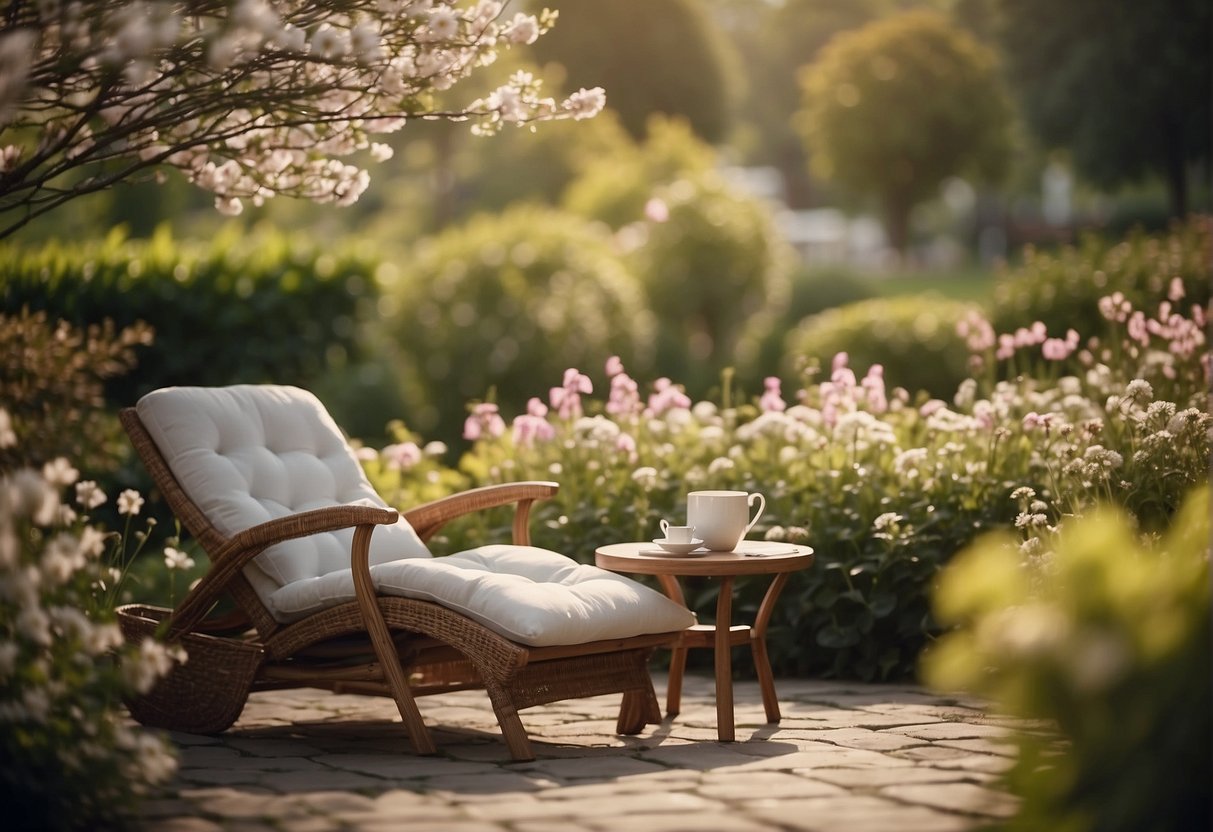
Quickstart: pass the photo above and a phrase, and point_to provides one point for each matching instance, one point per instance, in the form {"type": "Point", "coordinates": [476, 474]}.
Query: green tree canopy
{"type": "Point", "coordinates": [653, 56]}
{"type": "Point", "coordinates": [1126, 86]}
{"type": "Point", "coordinates": [896, 107]}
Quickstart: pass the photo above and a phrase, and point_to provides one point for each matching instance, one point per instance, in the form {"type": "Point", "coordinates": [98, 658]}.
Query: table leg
{"type": "Point", "coordinates": [725, 728]}
{"type": "Point", "coordinates": [678, 656]}
{"type": "Point", "coordinates": [758, 644]}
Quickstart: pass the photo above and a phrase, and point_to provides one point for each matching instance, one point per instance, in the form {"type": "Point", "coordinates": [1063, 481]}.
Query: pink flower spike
{"type": "Point", "coordinates": [1175, 292]}
{"type": "Point", "coordinates": [840, 361]}
{"type": "Point", "coordinates": [614, 366]}
{"type": "Point", "coordinates": [772, 401]}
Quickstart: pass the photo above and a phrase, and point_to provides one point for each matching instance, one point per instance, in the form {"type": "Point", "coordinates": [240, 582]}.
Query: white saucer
{"type": "Point", "coordinates": [678, 548]}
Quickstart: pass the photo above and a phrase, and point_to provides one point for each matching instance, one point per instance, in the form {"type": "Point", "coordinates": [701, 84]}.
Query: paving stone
{"type": "Point", "coordinates": [1004, 747]}
{"type": "Point", "coordinates": [403, 766]}
{"type": "Point", "coordinates": [693, 822]}
{"type": "Point", "coordinates": [854, 738]}
{"type": "Point", "coordinates": [598, 767]}
{"type": "Point", "coordinates": [853, 813]}
{"type": "Point", "coordinates": [950, 731]}
{"type": "Point", "coordinates": [957, 797]}
{"type": "Point", "coordinates": [739, 786]}
{"type": "Point", "coordinates": [305, 781]}
{"type": "Point", "coordinates": [872, 778]}
{"type": "Point", "coordinates": [826, 756]}
{"type": "Point", "coordinates": [590, 811]}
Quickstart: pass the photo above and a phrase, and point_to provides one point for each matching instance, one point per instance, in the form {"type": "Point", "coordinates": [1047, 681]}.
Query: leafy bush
{"type": "Point", "coordinates": [1107, 638]}
{"type": "Point", "coordinates": [51, 382]}
{"type": "Point", "coordinates": [488, 308]}
{"type": "Point", "coordinates": [913, 337]}
{"type": "Point", "coordinates": [262, 308]}
{"type": "Point", "coordinates": [1063, 289]}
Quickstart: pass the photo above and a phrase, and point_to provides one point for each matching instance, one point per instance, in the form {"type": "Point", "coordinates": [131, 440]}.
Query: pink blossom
{"type": "Point", "coordinates": [976, 330]}
{"type": "Point", "coordinates": [873, 385]}
{"type": "Point", "coordinates": [402, 456]}
{"type": "Point", "coordinates": [1138, 330]}
{"type": "Point", "coordinates": [1006, 347]}
{"type": "Point", "coordinates": [667, 396]}
{"type": "Point", "coordinates": [624, 398]}
{"type": "Point", "coordinates": [625, 444]}
{"type": "Point", "coordinates": [533, 424]}
{"type": "Point", "coordinates": [1055, 349]}
{"type": "Point", "coordinates": [567, 398]}
{"type": "Point", "coordinates": [931, 407]}
{"type": "Point", "coordinates": [772, 399]}
{"type": "Point", "coordinates": [1175, 292]}
{"type": "Point", "coordinates": [614, 366]}
{"type": "Point", "coordinates": [1033, 421]}
{"type": "Point", "coordinates": [483, 420]}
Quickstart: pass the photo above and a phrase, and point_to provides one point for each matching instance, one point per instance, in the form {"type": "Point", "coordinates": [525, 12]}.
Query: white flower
{"type": "Point", "coordinates": [8, 438]}
{"type": "Point", "coordinates": [585, 103]}
{"type": "Point", "coordinates": [524, 28]}
{"type": "Point", "coordinates": [721, 464]}
{"type": "Point", "coordinates": [381, 152]}
{"type": "Point", "coordinates": [886, 521]}
{"type": "Point", "coordinates": [177, 559]}
{"type": "Point", "coordinates": [89, 495]}
{"type": "Point", "coordinates": [645, 477]}
{"type": "Point", "coordinates": [129, 502]}
{"type": "Point", "coordinates": [59, 473]}
{"type": "Point", "coordinates": [1139, 388]}
{"type": "Point", "coordinates": [443, 23]}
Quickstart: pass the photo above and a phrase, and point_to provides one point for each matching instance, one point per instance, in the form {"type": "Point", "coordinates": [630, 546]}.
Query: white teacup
{"type": "Point", "coordinates": [722, 518]}
{"type": "Point", "coordinates": [677, 534]}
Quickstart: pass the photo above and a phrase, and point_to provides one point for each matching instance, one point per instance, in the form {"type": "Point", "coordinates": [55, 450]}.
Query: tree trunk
{"type": "Point", "coordinates": [897, 224]}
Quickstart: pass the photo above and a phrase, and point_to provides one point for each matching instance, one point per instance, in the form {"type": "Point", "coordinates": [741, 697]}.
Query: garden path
{"type": "Point", "coordinates": [847, 756]}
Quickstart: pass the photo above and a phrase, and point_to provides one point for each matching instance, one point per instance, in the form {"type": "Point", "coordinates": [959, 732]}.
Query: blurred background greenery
{"type": "Point", "coordinates": [772, 181]}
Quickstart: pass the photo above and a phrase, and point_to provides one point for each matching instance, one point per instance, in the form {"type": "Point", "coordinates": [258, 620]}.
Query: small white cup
{"type": "Point", "coordinates": [677, 534]}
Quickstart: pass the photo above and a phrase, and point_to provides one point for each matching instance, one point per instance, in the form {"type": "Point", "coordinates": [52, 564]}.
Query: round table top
{"type": "Point", "coordinates": [752, 557]}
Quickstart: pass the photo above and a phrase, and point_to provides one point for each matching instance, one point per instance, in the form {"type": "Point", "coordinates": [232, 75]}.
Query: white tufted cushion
{"type": "Point", "coordinates": [531, 595]}
{"type": "Point", "coordinates": [251, 453]}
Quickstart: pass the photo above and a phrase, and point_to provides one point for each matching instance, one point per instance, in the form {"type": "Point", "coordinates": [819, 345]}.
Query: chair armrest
{"type": "Point", "coordinates": [427, 518]}
{"type": "Point", "coordinates": [246, 545]}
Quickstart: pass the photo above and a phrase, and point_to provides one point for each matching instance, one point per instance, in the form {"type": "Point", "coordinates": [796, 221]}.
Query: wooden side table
{"type": "Point", "coordinates": [750, 558]}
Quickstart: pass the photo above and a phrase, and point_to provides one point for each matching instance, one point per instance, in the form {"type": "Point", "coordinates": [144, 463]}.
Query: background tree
{"type": "Point", "coordinates": [1126, 87]}
{"type": "Point", "coordinates": [655, 56]}
{"type": "Point", "coordinates": [898, 106]}
{"type": "Point", "coordinates": [248, 100]}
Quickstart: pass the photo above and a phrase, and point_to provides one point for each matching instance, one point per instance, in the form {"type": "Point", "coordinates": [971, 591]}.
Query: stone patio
{"type": "Point", "coordinates": [846, 756]}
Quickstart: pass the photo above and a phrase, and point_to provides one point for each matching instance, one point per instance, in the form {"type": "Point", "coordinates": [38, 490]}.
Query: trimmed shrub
{"type": "Point", "coordinates": [913, 337]}
{"type": "Point", "coordinates": [494, 307]}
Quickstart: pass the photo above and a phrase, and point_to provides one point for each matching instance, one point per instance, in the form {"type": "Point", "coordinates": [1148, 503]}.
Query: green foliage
{"type": "Point", "coordinates": [715, 271]}
{"type": "Point", "coordinates": [1108, 639]}
{"type": "Point", "coordinates": [913, 337]}
{"type": "Point", "coordinates": [52, 377]}
{"type": "Point", "coordinates": [616, 187]}
{"type": "Point", "coordinates": [652, 56]}
{"type": "Point", "coordinates": [255, 309]}
{"type": "Point", "coordinates": [69, 758]}
{"type": "Point", "coordinates": [486, 308]}
{"type": "Point", "coordinates": [896, 107]}
{"type": "Point", "coordinates": [1085, 87]}
{"type": "Point", "coordinates": [1062, 289]}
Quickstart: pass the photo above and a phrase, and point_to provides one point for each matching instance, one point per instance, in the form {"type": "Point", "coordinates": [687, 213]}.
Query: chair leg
{"type": "Point", "coordinates": [673, 697]}
{"type": "Point", "coordinates": [515, 735]}
{"type": "Point", "coordinates": [638, 709]}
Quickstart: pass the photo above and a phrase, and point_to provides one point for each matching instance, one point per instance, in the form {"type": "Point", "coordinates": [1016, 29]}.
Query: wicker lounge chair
{"type": "Point", "coordinates": [334, 590]}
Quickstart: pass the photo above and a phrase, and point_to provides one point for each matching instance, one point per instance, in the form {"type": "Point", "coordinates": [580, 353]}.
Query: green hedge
{"type": "Point", "coordinates": [1062, 289]}
{"type": "Point", "coordinates": [256, 309]}
{"type": "Point", "coordinates": [913, 337]}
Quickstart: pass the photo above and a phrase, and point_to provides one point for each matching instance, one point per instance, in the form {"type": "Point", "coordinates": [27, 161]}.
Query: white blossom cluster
{"type": "Point", "coordinates": [58, 665]}
{"type": "Point", "coordinates": [249, 99]}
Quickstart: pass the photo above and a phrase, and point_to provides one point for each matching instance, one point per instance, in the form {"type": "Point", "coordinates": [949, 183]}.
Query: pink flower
{"type": "Point", "coordinates": [1175, 292]}
{"type": "Point", "coordinates": [625, 444]}
{"type": "Point", "coordinates": [667, 396]}
{"type": "Point", "coordinates": [772, 400]}
{"type": "Point", "coordinates": [1055, 349]}
{"type": "Point", "coordinates": [873, 385]}
{"type": "Point", "coordinates": [402, 456]}
{"type": "Point", "coordinates": [484, 419]}
{"type": "Point", "coordinates": [614, 366]}
{"type": "Point", "coordinates": [624, 398]}
{"type": "Point", "coordinates": [567, 398]}
{"type": "Point", "coordinates": [1006, 347]}
{"type": "Point", "coordinates": [533, 424]}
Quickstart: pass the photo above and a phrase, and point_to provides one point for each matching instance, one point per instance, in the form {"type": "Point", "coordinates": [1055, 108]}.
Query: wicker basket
{"type": "Point", "coordinates": [207, 693]}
